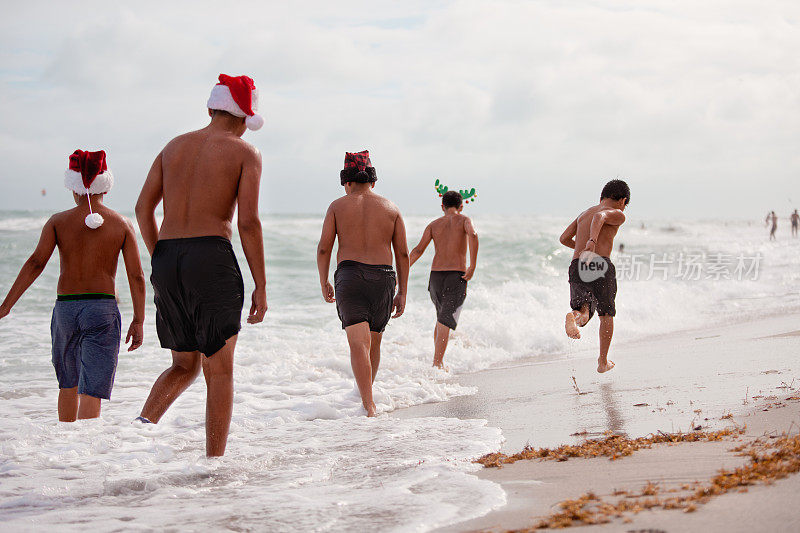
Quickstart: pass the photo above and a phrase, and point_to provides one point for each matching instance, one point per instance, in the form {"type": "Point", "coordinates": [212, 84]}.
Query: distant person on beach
{"type": "Point", "coordinates": [368, 227]}
{"type": "Point", "coordinates": [86, 325]}
{"type": "Point", "coordinates": [621, 248]}
{"type": "Point", "coordinates": [592, 276]}
{"type": "Point", "coordinates": [795, 218]}
{"type": "Point", "coordinates": [452, 233]}
{"type": "Point", "coordinates": [203, 177]}
{"type": "Point", "coordinates": [773, 218]}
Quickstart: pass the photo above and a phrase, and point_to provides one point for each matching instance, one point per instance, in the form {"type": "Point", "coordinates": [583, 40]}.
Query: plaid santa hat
{"type": "Point", "coordinates": [238, 96]}
{"type": "Point", "coordinates": [358, 168]}
{"type": "Point", "coordinates": [88, 174]}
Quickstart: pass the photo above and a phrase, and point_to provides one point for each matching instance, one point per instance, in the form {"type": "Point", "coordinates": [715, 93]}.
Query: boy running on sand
{"type": "Point", "coordinates": [86, 325]}
{"type": "Point", "coordinates": [368, 227]}
{"type": "Point", "coordinates": [447, 285]}
{"type": "Point", "coordinates": [592, 276]}
{"type": "Point", "coordinates": [203, 177]}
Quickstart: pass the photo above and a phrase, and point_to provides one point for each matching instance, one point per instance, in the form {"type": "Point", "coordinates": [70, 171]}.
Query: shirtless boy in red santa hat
{"type": "Point", "coordinates": [86, 325]}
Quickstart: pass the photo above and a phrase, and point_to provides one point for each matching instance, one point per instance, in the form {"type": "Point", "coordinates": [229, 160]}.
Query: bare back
{"type": "Point", "coordinates": [449, 234]}
{"type": "Point", "coordinates": [605, 241]}
{"type": "Point", "coordinates": [201, 172]}
{"type": "Point", "coordinates": [365, 226]}
{"type": "Point", "coordinates": [89, 256]}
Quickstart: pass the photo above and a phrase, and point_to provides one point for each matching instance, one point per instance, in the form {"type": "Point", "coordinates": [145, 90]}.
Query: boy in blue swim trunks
{"type": "Point", "coordinates": [86, 324]}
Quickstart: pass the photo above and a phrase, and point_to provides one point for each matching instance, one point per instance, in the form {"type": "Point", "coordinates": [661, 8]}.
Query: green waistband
{"type": "Point", "coordinates": [85, 296]}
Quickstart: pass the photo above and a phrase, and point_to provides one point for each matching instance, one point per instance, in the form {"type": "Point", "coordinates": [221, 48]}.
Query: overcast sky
{"type": "Point", "coordinates": [536, 104]}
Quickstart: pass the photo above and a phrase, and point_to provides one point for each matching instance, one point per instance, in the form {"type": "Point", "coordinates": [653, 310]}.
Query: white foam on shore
{"type": "Point", "coordinates": [394, 475]}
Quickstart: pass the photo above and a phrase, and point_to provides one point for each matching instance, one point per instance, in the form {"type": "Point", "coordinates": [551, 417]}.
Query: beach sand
{"type": "Point", "coordinates": [687, 380]}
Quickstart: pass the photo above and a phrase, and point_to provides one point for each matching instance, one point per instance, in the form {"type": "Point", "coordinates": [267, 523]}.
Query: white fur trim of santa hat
{"type": "Point", "coordinates": [222, 100]}
{"type": "Point", "coordinates": [102, 183]}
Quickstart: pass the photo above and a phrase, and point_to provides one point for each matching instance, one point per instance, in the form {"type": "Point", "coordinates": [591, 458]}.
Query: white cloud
{"type": "Point", "coordinates": [534, 103]}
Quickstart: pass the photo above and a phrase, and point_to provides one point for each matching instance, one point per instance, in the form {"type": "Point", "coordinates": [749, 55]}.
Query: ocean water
{"type": "Point", "coordinates": [301, 455]}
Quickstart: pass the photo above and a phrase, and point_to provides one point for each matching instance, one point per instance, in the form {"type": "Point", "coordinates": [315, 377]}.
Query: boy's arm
{"type": "Point", "coordinates": [400, 246]}
{"type": "Point", "coordinates": [419, 249]}
{"type": "Point", "coordinates": [472, 240]}
{"type": "Point", "coordinates": [250, 233]}
{"type": "Point", "coordinates": [32, 267]}
{"type": "Point", "coordinates": [133, 267]}
{"type": "Point", "coordinates": [151, 195]}
{"type": "Point", "coordinates": [612, 217]}
{"type": "Point", "coordinates": [568, 237]}
{"type": "Point", "coordinates": [324, 250]}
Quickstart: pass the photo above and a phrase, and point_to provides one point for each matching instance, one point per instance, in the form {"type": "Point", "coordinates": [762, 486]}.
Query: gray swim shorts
{"type": "Point", "coordinates": [86, 331]}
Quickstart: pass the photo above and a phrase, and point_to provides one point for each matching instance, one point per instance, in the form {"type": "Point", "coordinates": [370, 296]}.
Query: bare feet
{"type": "Point", "coordinates": [571, 326]}
{"type": "Point", "coordinates": [604, 366]}
{"type": "Point", "coordinates": [371, 410]}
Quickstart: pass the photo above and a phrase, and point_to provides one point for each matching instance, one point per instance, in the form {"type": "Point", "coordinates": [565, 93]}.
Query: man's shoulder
{"type": "Point", "coordinates": [589, 211]}
{"type": "Point", "coordinates": [61, 215]}
{"type": "Point", "coordinates": [438, 222]}
{"type": "Point", "coordinates": [112, 216]}
{"type": "Point", "coordinates": [179, 140]}
{"type": "Point", "coordinates": [337, 202]}
{"type": "Point", "coordinates": [228, 141]}
{"type": "Point", "coordinates": [240, 144]}
{"type": "Point", "coordinates": [385, 203]}
{"type": "Point", "coordinates": [612, 211]}
{"type": "Point", "coordinates": [66, 216]}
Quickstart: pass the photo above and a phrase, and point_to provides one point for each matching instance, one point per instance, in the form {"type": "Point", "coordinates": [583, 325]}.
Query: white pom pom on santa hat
{"type": "Point", "coordinates": [238, 96]}
{"type": "Point", "coordinates": [88, 174]}
{"type": "Point", "coordinates": [254, 122]}
{"type": "Point", "coordinates": [94, 220]}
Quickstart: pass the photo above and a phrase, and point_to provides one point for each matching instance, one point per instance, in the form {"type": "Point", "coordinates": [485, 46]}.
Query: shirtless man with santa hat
{"type": "Point", "coordinates": [86, 325]}
{"type": "Point", "coordinates": [203, 177]}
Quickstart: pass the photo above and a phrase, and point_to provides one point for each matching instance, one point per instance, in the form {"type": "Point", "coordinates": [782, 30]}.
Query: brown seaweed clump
{"type": "Point", "coordinates": [769, 460]}
{"type": "Point", "coordinates": [611, 446]}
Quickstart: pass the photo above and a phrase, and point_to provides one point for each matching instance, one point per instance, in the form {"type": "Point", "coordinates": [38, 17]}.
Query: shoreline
{"type": "Point", "coordinates": [535, 489]}
{"type": "Point", "coordinates": [708, 378]}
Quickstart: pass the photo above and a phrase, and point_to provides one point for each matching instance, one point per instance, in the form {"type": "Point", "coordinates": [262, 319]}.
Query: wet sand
{"type": "Point", "coordinates": [685, 380]}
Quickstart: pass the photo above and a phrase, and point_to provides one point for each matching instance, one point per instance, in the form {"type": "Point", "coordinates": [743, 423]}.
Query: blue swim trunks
{"type": "Point", "coordinates": [86, 332]}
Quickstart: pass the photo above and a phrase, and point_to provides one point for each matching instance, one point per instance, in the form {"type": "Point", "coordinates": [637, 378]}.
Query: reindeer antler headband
{"type": "Point", "coordinates": [466, 195]}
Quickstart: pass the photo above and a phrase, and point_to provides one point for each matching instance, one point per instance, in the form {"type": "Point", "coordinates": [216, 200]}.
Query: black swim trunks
{"type": "Point", "coordinates": [448, 290]}
{"type": "Point", "coordinates": [199, 293]}
{"type": "Point", "coordinates": [599, 290]}
{"type": "Point", "coordinates": [364, 293]}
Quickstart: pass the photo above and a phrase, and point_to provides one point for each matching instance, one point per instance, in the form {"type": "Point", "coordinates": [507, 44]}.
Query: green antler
{"type": "Point", "coordinates": [466, 195]}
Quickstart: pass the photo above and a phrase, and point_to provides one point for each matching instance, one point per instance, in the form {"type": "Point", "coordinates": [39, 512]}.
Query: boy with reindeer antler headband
{"type": "Point", "coordinates": [86, 327]}
{"type": "Point", "coordinates": [452, 233]}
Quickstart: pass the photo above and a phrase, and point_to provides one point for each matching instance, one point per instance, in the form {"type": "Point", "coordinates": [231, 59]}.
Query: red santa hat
{"type": "Point", "coordinates": [88, 174]}
{"type": "Point", "coordinates": [238, 96]}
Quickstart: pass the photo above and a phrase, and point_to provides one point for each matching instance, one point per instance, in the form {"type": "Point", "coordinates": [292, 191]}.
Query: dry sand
{"type": "Point", "coordinates": [687, 380]}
